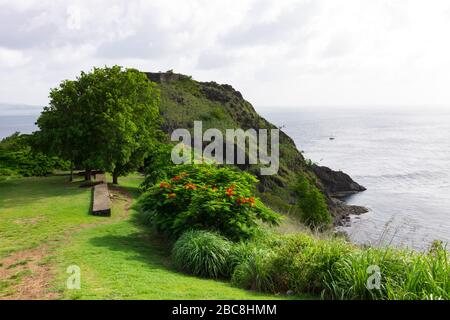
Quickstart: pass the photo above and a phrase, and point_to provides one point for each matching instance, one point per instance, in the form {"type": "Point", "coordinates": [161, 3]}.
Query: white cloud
{"type": "Point", "coordinates": [307, 52]}
{"type": "Point", "coordinates": [10, 58]}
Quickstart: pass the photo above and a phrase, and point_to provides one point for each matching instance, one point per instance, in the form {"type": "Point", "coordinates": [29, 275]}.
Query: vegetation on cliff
{"type": "Point", "coordinates": [184, 101]}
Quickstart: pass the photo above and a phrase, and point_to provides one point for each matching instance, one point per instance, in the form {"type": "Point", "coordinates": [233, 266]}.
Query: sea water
{"type": "Point", "coordinates": [401, 157]}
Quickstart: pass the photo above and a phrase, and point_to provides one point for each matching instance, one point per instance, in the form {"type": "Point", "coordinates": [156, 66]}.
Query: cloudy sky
{"type": "Point", "coordinates": [289, 53]}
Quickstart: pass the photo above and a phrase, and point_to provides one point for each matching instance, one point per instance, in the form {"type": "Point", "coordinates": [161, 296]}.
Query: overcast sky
{"type": "Point", "coordinates": [289, 53]}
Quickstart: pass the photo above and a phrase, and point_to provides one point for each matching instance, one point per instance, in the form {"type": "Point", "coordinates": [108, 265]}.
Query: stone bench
{"type": "Point", "coordinates": [101, 205]}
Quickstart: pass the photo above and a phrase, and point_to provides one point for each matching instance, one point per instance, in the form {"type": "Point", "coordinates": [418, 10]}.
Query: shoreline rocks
{"type": "Point", "coordinates": [337, 186]}
{"type": "Point", "coordinates": [341, 211]}
{"type": "Point", "coordinates": [337, 183]}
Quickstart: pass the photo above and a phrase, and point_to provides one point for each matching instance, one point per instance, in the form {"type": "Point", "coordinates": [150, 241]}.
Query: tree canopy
{"type": "Point", "coordinates": [106, 119]}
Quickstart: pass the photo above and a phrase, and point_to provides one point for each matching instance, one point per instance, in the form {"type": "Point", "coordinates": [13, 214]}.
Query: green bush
{"type": "Point", "coordinates": [208, 197]}
{"type": "Point", "coordinates": [239, 252]}
{"type": "Point", "coordinates": [334, 268]}
{"type": "Point", "coordinates": [296, 262]}
{"type": "Point", "coordinates": [201, 253]}
{"type": "Point", "coordinates": [312, 204]}
{"type": "Point", "coordinates": [17, 158]}
{"type": "Point", "coordinates": [256, 271]}
{"type": "Point", "coordinates": [157, 164]}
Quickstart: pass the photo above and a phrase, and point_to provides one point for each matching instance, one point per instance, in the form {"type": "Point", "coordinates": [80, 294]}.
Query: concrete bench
{"type": "Point", "coordinates": [101, 205]}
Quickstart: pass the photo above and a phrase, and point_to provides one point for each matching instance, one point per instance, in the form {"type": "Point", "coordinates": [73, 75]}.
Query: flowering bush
{"type": "Point", "coordinates": [208, 197]}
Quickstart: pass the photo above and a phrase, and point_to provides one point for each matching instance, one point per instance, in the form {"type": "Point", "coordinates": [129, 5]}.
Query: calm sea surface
{"type": "Point", "coordinates": [402, 158]}
{"type": "Point", "coordinates": [11, 124]}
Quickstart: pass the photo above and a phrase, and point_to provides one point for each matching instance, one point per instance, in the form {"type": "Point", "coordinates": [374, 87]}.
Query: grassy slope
{"type": "Point", "coordinates": [118, 260]}
{"type": "Point", "coordinates": [220, 106]}
{"type": "Point", "coordinates": [38, 210]}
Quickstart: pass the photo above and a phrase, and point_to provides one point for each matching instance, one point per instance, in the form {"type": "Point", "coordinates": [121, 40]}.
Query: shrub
{"type": "Point", "coordinates": [296, 262]}
{"type": "Point", "coordinates": [201, 253]}
{"type": "Point", "coordinates": [208, 197]}
{"type": "Point", "coordinates": [312, 204]}
{"type": "Point", "coordinates": [303, 262]}
{"type": "Point", "coordinates": [336, 269]}
{"type": "Point", "coordinates": [157, 164]}
{"type": "Point", "coordinates": [17, 158]}
{"type": "Point", "coordinates": [239, 252]}
{"type": "Point", "coordinates": [256, 272]}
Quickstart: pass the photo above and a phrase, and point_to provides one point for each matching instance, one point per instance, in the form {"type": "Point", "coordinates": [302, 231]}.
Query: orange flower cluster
{"type": "Point", "coordinates": [190, 186]}
{"type": "Point", "coordinates": [164, 185]}
{"type": "Point", "coordinates": [171, 195]}
{"type": "Point", "coordinates": [180, 176]}
{"type": "Point", "coordinates": [230, 191]}
{"type": "Point", "coordinates": [243, 200]}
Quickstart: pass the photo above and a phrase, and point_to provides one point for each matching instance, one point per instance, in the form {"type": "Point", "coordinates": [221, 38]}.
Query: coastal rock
{"type": "Point", "coordinates": [337, 183]}
{"type": "Point", "coordinates": [341, 211]}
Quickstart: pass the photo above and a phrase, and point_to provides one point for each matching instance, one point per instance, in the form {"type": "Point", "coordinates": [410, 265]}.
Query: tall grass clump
{"type": "Point", "coordinates": [302, 262]}
{"type": "Point", "coordinates": [427, 276]}
{"type": "Point", "coordinates": [403, 274]}
{"type": "Point", "coordinates": [240, 252]}
{"type": "Point", "coordinates": [351, 276]}
{"type": "Point", "coordinates": [296, 262]}
{"type": "Point", "coordinates": [256, 272]}
{"type": "Point", "coordinates": [335, 269]}
{"type": "Point", "coordinates": [201, 253]}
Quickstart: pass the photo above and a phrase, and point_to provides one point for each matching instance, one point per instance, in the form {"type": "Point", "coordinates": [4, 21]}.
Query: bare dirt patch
{"type": "Point", "coordinates": [30, 221]}
{"type": "Point", "coordinates": [27, 275]}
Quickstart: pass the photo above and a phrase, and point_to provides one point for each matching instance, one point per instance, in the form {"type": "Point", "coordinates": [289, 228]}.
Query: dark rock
{"type": "Point", "coordinates": [341, 211]}
{"type": "Point", "coordinates": [165, 76]}
{"type": "Point", "coordinates": [336, 183]}
{"type": "Point", "coordinates": [215, 94]}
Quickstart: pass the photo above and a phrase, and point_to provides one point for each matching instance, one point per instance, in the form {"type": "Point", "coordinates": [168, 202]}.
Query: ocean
{"type": "Point", "coordinates": [402, 158]}
{"type": "Point", "coordinates": [12, 123]}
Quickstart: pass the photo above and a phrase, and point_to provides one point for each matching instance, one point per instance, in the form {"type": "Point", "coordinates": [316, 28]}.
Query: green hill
{"type": "Point", "coordinates": [184, 100]}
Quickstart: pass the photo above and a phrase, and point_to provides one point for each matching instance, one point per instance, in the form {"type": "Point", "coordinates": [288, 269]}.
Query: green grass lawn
{"type": "Point", "coordinates": [119, 258]}
{"type": "Point", "coordinates": [34, 211]}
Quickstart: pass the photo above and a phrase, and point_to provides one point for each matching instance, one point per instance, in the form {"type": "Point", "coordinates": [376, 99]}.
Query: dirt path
{"type": "Point", "coordinates": [28, 274]}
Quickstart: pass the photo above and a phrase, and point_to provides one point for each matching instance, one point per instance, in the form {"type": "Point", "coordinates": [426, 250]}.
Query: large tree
{"type": "Point", "coordinates": [105, 119]}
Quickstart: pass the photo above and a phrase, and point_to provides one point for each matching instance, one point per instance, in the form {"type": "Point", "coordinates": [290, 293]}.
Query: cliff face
{"type": "Point", "coordinates": [184, 101]}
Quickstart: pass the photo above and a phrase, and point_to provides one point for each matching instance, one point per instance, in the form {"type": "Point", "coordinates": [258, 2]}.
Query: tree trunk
{"type": "Point", "coordinates": [71, 171]}
{"type": "Point", "coordinates": [87, 175]}
{"type": "Point", "coordinates": [115, 178]}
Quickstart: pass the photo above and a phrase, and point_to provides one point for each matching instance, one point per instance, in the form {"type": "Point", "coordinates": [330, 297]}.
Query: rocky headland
{"type": "Point", "coordinates": [184, 100]}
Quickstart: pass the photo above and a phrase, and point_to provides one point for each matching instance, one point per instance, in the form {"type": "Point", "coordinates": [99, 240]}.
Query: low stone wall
{"type": "Point", "coordinates": [101, 205]}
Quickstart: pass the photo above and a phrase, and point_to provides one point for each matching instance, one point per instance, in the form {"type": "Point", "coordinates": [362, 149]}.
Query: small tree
{"type": "Point", "coordinates": [105, 119]}
{"type": "Point", "coordinates": [312, 204]}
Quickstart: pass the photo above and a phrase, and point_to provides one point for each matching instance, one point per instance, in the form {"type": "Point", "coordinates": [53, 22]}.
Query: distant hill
{"type": "Point", "coordinates": [8, 109]}
{"type": "Point", "coordinates": [184, 100]}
